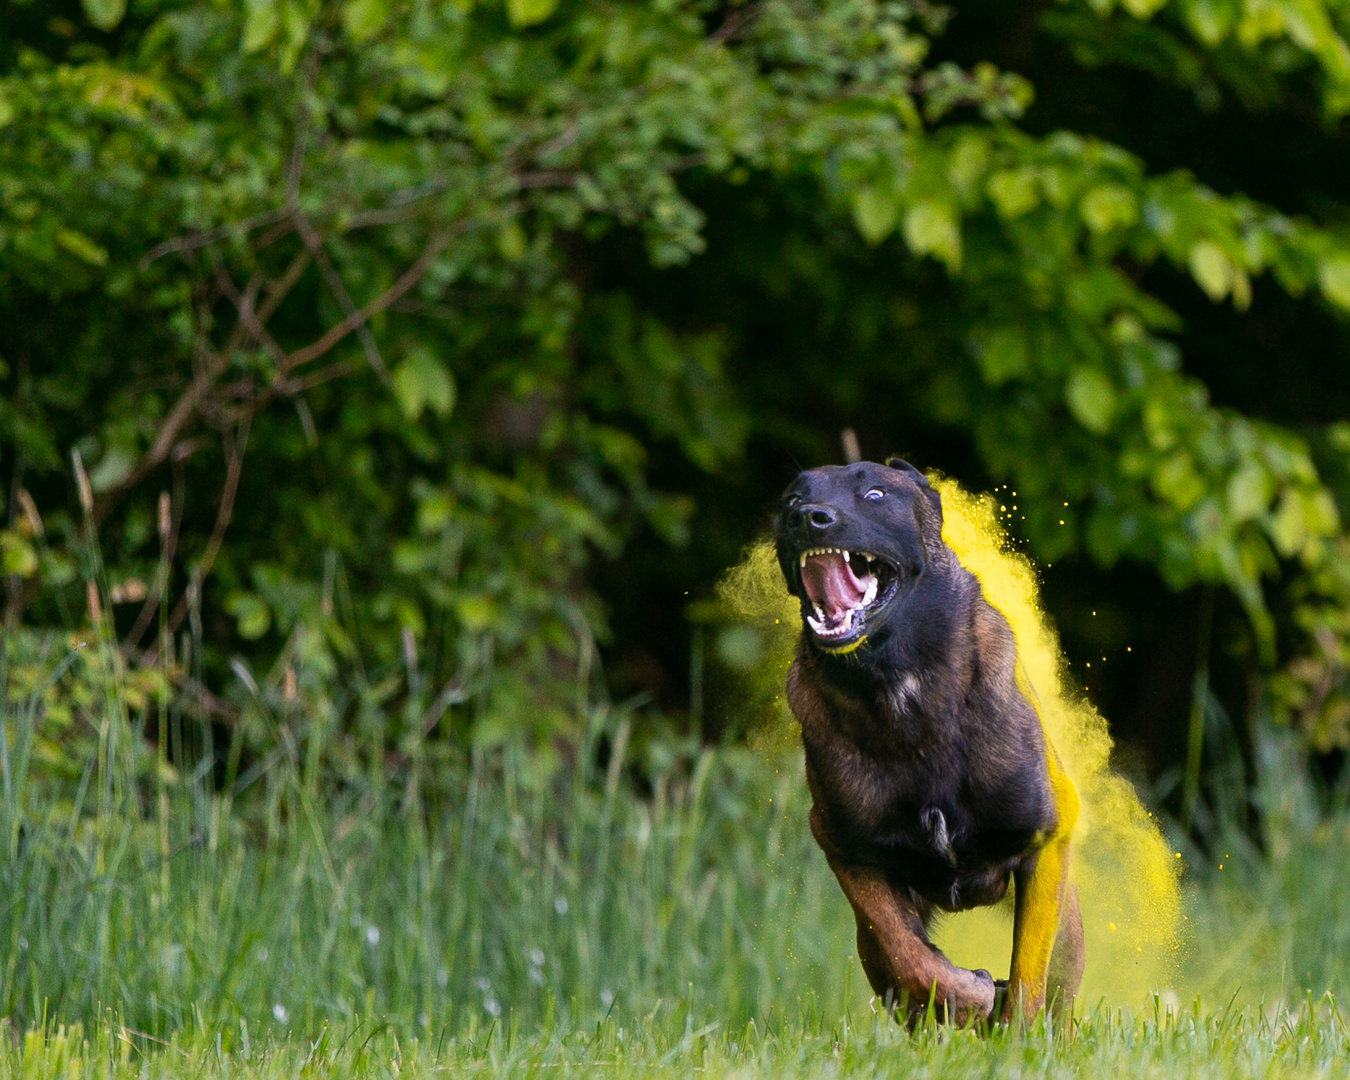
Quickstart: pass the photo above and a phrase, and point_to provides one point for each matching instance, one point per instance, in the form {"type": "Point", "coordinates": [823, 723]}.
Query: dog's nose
{"type": "Point", "coordinates": [814, 517]}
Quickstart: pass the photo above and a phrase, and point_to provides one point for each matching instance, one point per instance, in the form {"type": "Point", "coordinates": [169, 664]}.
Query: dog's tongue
{"type": "Point", "coordinates": [830, 583]}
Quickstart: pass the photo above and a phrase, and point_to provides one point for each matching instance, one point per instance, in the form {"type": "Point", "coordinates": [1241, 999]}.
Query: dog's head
{"type": "Point", "coordinates": [852, 542]}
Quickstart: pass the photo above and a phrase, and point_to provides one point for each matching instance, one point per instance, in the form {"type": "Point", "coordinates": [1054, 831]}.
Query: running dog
{"type": "Point", "coordinates": [933, 783]}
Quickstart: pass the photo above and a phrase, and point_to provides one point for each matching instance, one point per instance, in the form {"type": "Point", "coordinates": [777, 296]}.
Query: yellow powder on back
{"type": "Point", "coordinates": [1128, 880]}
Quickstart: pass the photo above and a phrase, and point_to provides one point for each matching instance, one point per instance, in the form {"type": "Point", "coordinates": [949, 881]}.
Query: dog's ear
{"type": "Point", "coordinates": [934, 499]}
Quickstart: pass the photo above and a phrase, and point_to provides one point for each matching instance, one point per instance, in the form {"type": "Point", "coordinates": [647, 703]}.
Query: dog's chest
{"type": "Point", "coordinates": [922, 810]}
{"type": "Point", "coordinates": [885, 796]}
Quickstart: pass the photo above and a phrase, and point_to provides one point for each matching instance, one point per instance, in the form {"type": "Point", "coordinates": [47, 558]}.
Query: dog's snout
{"type": "Point", "coordinates": [814, 517]}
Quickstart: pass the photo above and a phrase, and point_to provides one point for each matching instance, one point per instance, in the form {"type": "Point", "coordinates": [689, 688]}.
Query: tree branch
{"type": "Point", "coordinates": [236, 448]}
{"type": "Point", "coordinates": [206, 237]}
{"type": "Point", "coordinates": [314, 243]}
{"type": "Point", "coordinates": [410, 277]}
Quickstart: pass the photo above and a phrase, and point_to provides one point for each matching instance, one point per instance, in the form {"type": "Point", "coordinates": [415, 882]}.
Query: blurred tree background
{"type": "Point", "coordinates": [372, 345]}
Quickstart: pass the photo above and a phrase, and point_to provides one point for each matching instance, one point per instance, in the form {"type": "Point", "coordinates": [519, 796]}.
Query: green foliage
{"type": "Point", "coordinates": [334, 276]}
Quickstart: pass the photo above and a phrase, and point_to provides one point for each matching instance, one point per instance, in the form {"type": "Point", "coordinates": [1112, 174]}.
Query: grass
{"type": "Point", "coordinates": [1310, 1042]}
{"type": "Point", "coordinates": [476, 914]}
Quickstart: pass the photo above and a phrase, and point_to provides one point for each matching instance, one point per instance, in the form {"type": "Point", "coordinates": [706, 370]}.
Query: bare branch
{"type": "Point", "coordinates": [559, 143]}
{"type": "Point", "coordinates": [314, 243]}
{"type": "Point", "coordinates": [295, 169]}
{"type": "Point", "coordinates": [546, 178]}
{"type": "Point", "coordinates": [202, 239]}
{"type": "Point", "coordinates": [410, 277]}
{"type": "Point", "coordinates": [283, 285]}
{"type": "Point", "coordinates": [243, 303]}
{"type": "Point", "coordinates": [737, 20]}
{"type": "Point", "coordinates": [333, 371]}
{"type": "Point", "coordinates": [235, 448]}
{"type": "Point", "coordinates": [400, 207]}
{"type": "Point", "coordinates": [212, 366]}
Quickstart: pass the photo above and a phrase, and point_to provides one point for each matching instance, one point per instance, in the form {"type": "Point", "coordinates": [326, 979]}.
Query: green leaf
{"type": "Point", "coordinates": [1319, 510]}
{"type": "Point", "coordinates": [1177, 481]}
{"type": "Point", "coordinates": [1109, 206]}
{"type": "Point", "coordinates": [524, 13]}
{"type": "Point", "coordinates": [114, 467]}
{"type": "Point", "coordinates": [874, 212]}
{"type": "Point", "coordinates": [1142, 9]}
{"type": "Point", "coordinates": [363, 19]}
{"type": "Point", "coordinates": [422, 381]}
{"type": "Point", "coordinates": [105, 14]}
{"type": "Point", "coordinates": [1210, 20]}
{"type": "Point", "coordinates": [1249, 492]}
{"type": "Point", "coordinates": [81, 247]}
{"type": "Point", "coordinates": [1014, 191]}
{"type": "Point", "coordinates": [476, 611]}
{"type": "Point", "coordinates": [16, 554]}
{"type": "Point", "coordinates": [1333, 275]}
{"type": "Point", "coordinates": [1288, 526]}
{"type": "Point", "coordinates": [1091, 398]}
{"type": "Point", "coordinates": [1002, 356]}
{"type": "Point", "coordinates": [1212, 270]}
{"type": "Point", "coordinates": [260, 24]}
{"type": "Point", "coordinates": [511, 241]}
{"type": "Point", "coordinates": [931, 229]}
{"type": "Point", "coordinates": [251, 615]}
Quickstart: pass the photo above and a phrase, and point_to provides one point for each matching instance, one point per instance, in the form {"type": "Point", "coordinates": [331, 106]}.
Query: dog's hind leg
{"type": "Point", "coordinates": [1043, 895]}
{"type": "Point", "coordinates": [1037, 924]}
{"type": "Point", "coordinates": [1065, 972]}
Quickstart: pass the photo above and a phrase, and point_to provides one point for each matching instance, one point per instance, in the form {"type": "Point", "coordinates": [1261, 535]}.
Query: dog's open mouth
{"type": "Point", "coordinates": [842, 586]}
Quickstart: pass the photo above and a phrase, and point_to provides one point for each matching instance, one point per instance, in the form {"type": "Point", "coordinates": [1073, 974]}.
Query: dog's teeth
{"type": "Point", "coordinates": [803, 566]}
{"type": "Point", "coordinates": [846, 556]}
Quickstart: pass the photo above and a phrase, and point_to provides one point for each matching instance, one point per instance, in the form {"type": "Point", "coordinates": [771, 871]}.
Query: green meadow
{"type": "Point", "coordinates": [330, 909]}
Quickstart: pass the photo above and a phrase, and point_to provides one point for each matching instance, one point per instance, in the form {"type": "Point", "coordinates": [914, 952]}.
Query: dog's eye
{"type": "Point", "coordinates": [791, 499]}
{"type": "Point", "coordinates": [874, 494]}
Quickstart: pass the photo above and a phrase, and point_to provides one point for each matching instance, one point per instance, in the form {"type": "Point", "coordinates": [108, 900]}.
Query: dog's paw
{"type": "Point", "coordinates": [974, 1001]}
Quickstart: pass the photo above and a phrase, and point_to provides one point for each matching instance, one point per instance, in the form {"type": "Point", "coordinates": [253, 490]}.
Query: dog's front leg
{"type": "Point", "coordinates": [895, 952]}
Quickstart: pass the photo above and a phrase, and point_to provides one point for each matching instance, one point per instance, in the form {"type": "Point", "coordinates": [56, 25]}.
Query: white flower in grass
{"type": "Point", "coordinates": [606, 997]}
{"type": "Point", "coordinates": [483, 983]}
{"type": "Point", "coordinates": [280, 1013]}
{"type": "Point", "coordinates": [560, 905]}
{"type": "Point", "coordinates": [372, 934]}
{"type": "Point", "coordinates": [443, 978]}
{"type": "Point", "coordinates": [536, 957]}
{"type": "Point", "coordinates": [260, 953]}
{"type": "Point", "coordinates": [492, 1007]}
{"type": "Point", "coordinates": [424, 1019]}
